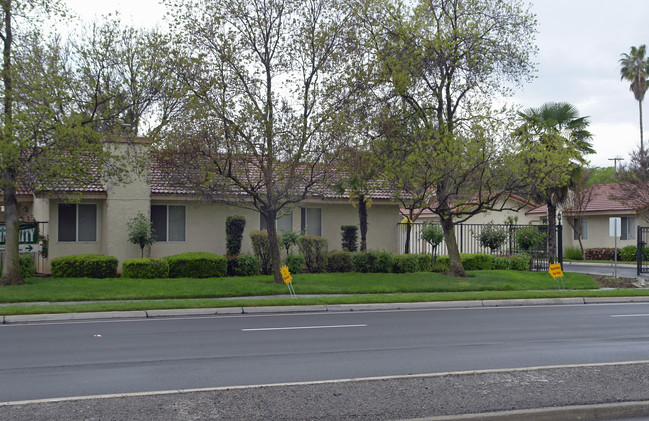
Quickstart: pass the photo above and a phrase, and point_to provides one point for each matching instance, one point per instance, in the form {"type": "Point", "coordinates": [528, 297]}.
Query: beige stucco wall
{"type": "Point", "coordinates": [598, 233]}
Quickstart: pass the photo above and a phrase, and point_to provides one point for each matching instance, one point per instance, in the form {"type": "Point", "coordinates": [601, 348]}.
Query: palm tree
{"type": "Point", "coordinates": [558, 125]}
{"type": "Point", "coordinates": [635, 69]}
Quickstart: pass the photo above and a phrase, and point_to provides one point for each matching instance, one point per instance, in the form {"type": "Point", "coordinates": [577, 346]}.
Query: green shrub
{"type": "Point", "coordinates": [629, 254]}
{"type": "Point", "coordinates": [247, 265]}
{"type": "Point", "coordinates": [500, 263]}
{"type": "Point", "coordinates": [573, 253]}
{"type": "Point", "coordinates": [27, 266]}
{"type": "Point", "coordinates": [380, 261]}
{"type": "Point", "coordinates": [234, 226]}
{"type": "Point", "coordinates": [339, 261]}
{"type": "Point", "coordinates": [261, 247]}
{"type": "Point", "coordinates": [477, 261]}
{"type": "Point", "coordinates": [492, 237]}
{"type": "Point", "coordinates": [406, 263]}
{"type": "Point", "coordinates": [360, 262]}
{"type": "Point", "coordinates": [529, 237]}
{"type": "Point", "coordinates": [145, 268]}
{"type": "Point", "coordinates": [288, 239]}
{"type": "Point", "coordinates": [350, 236]}
{"type": "Point", "coordinates": [425, 262]}
{"type": "Point", "coordinates": [196, 265]}
{"type": "Point", "coordinates": [294, 262]}
{"type": "Point", "coordinates": [84, 266]}
{"type": "Point", "coordinates": [314, 249]}
{"type": "Point", "coordinates": [520, 262]}
{"type": "Point", "coordinates": [442, 264]}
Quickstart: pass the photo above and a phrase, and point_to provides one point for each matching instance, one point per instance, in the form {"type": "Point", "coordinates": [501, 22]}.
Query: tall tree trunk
{"type": "Point", "coordinates": [362, 217]}
{"type": "Point", "coordinates": [275, 260]}
{"type": "Point", "coordinates": [408, 230]}
{"type": "Point", "coordinates": [552, 231]}
{"type": "Point", "coordinates": [10, 267]}
{"type": "Point", "coordinates": [455, 260]}
{"type": "Point", "coordinates": [641, 135]}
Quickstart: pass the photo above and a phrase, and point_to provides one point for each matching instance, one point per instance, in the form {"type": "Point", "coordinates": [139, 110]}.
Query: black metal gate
{"type": "Point", "coordinates": [642, 261]}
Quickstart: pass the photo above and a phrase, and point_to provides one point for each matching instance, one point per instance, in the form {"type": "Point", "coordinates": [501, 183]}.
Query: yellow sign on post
{"type": "Point", "coordinates": [288, 280]}
{"type": "Point", "coordinates": [555, 270]}
{"type": "Point", "coordinates": [286, 274]}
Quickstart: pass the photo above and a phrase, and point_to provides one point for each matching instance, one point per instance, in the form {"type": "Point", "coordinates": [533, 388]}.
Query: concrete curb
{"type": "Point", "coordinates": [197, 312]}
{"type": "Point", "coordinates": [578, 412]}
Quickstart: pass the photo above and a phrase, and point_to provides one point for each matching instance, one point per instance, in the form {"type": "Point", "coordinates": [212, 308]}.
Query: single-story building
{"type": "Point", "coordinates": [595, 212]}
{"type": "Point", "coordinates": [96, 221]}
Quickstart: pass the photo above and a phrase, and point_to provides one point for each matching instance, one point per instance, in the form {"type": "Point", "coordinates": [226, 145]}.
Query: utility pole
{"type": "Point", "coordinates": [615, 166]}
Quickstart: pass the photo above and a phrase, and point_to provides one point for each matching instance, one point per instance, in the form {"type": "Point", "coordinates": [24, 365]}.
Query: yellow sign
{"type": "Point", "coordinates": [286, 275]}
{"type": "Point", "coordinates": [555, 270]}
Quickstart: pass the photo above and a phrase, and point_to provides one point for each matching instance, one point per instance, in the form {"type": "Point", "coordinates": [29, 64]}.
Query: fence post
{"type": "Point", "coordinates": [639, 250]}
{"type": "Point", "coordinates": [560, 244]}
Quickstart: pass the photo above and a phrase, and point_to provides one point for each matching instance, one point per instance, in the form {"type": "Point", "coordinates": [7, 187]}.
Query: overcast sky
{"type": "Point", "coordinates": [580, 42]}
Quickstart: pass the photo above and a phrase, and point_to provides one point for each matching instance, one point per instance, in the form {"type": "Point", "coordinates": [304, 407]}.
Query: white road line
{"type": "Point", "coordinates": [299, 328]}
{"type": "Point", "coordinates": [316, 382]}
{"type": "Point", "coordinates": [629, 315]}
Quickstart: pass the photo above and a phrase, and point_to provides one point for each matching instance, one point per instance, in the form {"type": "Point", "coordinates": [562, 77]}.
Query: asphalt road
{"type": "Point", "coordinates": [51, 360]}
{"type": "Point", "coordinates": [624, 270]}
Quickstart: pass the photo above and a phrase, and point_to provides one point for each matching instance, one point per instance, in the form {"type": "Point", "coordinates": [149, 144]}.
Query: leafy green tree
{"type": "Point", "coordinates": [634, 67]}
{"type": "Point", "coordinates": [266, 90]}
{"type": "Point", "coordinates": [140, 231]}
{"type": "Point", "coordinates": [434, 67]}
{"type": "Point", "coordinates": [557, 128]}
{"type": "Point", "coordinates": [433, 235]}
{"type": "Point", "coordinates": [492, 237]}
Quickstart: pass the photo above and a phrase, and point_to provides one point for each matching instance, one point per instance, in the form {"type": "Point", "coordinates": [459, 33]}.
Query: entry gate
{"type": "Point", "coordinates": [642, 256]}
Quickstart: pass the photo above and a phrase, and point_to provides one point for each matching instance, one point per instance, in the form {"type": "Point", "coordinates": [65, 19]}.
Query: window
{"type": "Point", "coordinates": [312, 221]}
{"type": "Point", "coordinates": [583, 229]}
{"type": "Point", "coordinates": [168, 222]}
{"type": "Point", "coordinates": [77, 222]}
{"type": "Point", "coordinates": [628, 228]}
{"type": "Point", "coordinates": [283, 223]}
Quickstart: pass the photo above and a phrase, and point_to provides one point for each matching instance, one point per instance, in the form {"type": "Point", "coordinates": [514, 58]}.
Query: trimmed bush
{"type": "Point", "coordinates": [234, 226]}
{"type": "Point", "coordinates": [350, 236]}
{"type": "Point", "coordinates": [442, 264]}
{"type": "Point", "coordinates": [520, 262]}
{"type": "Point", "coordinates": [529, 237]}
{"type": "Point", "coordinates": [573, 253]}
{"type": "Point", "coordinates": [629, 254]}
{"type": "Point", "coordinates": [247, 265]}
{"type": "Point", "coordinates": [261, 247]}
{"type": "Point", "coordinates": [314, 249]}
{"type": "Point", "coordinates": [500, 263]}
{"type": "Point", "coordinates": [294, 262]}
{"type": "Point", "coordinates": [27, 266]}
{"type": "Point", "coordinates": [360, 262]}
{"type": "Point", "coordinates": [603, 253]}
{"type": "Point", "coordinates": [84, 266]}
{"type": "Point", "coordinates": [145, 268]}
{"type": "Point", "coordinates": [339, 261]}
{"type": "Point", "coordinates": [381, 261]}
{"type": "Point", "coordinates": [424, 261]}
{"type": "Point", "coordinates": [477, 261]}
{"type": "Point", "coordinates": [492, 237]}
{"type": "Point", "coordinates": [406, 263]}
{"type": "Point", "coordinates": [197, 265]}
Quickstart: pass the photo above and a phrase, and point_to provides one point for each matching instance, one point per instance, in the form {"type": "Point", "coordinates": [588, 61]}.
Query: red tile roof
{"type": "Point", "coordinates": [603, 200]}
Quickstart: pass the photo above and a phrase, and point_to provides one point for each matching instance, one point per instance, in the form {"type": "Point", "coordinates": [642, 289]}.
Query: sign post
{"type": "Point", "coordinates": [556, 272]}
{"type": "Point", "coordinates": [288, 280]}
{"type": "Point", "coordinates": [615, 229]}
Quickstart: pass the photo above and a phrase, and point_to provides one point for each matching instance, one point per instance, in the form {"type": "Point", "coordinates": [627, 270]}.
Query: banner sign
{"type": "Point", "coordinates": [27, 234]}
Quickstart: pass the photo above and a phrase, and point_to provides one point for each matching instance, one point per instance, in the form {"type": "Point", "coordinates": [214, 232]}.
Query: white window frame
{"type": "Point", "coordinates": [76, 223]}
{"type": "Point", "coordinates": [262, 221]}
{"type": "Point", "coordinates": [167, 223]}
{"type": "Point", "coordinates": [304, 225]}
{"type": "Point", "coordinates": [583, 229]}
{"type": "Point", "coordinates": [630, 233]}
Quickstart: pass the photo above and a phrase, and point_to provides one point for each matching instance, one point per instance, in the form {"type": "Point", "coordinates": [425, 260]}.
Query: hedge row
{"type": "Point", "coordinates": [207, 265]}
{"type": "Point", "coordinates": [625, 254]}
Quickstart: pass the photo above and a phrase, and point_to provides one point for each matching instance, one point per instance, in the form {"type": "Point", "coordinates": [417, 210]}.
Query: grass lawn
{"type": "Point", "coordinates": [118, 294]}
{"type": "Point", "coordinates": [84, 289]}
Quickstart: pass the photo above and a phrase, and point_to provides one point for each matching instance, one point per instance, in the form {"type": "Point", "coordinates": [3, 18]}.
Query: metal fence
{"type": "Point", "coordinates": [642, 240]}
{"type": "Point", "coordinates": [468, 241]}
